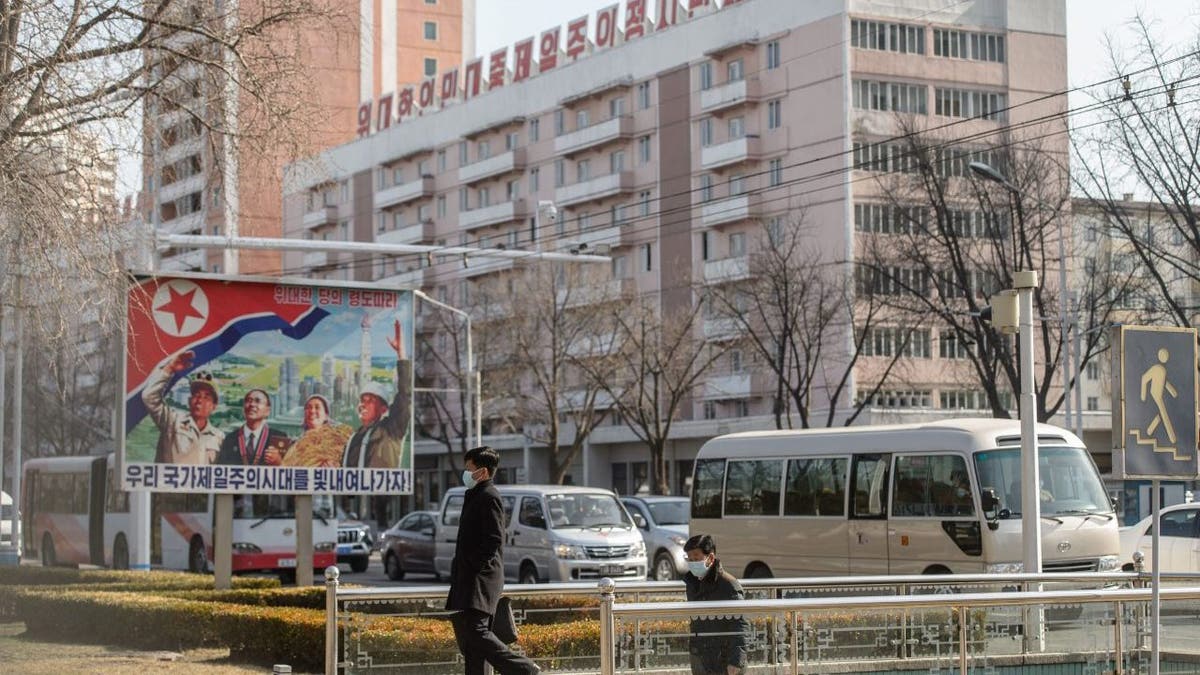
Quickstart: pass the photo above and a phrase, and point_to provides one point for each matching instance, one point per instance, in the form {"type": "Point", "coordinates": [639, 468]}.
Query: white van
{"type": "Point", "coordinates": [554, 533]}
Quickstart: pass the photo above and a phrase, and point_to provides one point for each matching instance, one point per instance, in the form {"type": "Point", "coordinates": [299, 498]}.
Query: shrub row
{"type": "Point", "coordinates": [27, 575]}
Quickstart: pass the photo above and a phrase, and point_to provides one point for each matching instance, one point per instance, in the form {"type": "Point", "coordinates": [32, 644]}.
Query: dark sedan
{"type": "Point", "coordinates": [408, 545]}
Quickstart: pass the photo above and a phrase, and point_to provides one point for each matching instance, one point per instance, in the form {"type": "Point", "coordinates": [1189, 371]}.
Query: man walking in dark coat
{"type": "Point", "coordinates": [477, 572]}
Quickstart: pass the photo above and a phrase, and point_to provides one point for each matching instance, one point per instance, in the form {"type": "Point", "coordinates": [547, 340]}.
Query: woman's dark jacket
{"type": "Point", "coordinates": [719, 642]}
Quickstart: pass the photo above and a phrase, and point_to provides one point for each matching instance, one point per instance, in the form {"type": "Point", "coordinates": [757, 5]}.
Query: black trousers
{"type": "Point", "coordinates": [472, 631]}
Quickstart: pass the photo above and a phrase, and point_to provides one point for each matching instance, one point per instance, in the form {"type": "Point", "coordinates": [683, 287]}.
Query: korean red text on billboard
{"type": "Point", "coordinates": [258, 386]}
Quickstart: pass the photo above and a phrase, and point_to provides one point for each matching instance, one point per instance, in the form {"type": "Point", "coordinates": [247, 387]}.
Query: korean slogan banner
{"type": "Point", "coordinates": [261, 386]}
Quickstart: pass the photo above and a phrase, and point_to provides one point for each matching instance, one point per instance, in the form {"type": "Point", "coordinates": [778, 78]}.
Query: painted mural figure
{"type": "Point", "coordinates": [1154, 382]}
{"type": "Point", "coordinates": [183, 438]}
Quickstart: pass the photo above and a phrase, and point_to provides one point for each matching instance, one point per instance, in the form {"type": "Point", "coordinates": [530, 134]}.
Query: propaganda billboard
{"type": "Point", "coordinates": [245, 386]}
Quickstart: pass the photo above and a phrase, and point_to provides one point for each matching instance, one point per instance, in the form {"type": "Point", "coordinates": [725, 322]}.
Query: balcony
{"type": "Point", "coordinates": [719, 329]}
{"type": "Point", "coordinates": [178, 151]}
{"type": "Point", "coordinates": [732, 152]}
{"type": "Point", "coordinates": [410, 279]}
{"type": "Point", "coordinates": [183, 262]}
{"type": "Point", "coordinates": [729, 95]}
{"type": "Point", "coordinates": [513, 160]}
{"type": "Point", "coordinates": [731, 210]}
{"type": "Point", "coordinates": [322, 215]}
{"type": "Point", "coordinates": [192, 223]}
{"type": "Point", "coordinates": [493, 215]}
{"type": "Point", "coordinates": [315, 259]}
{"type": "Point", "coordinates": [608, 291]}
{"type": "Point", "coordinates": [610, 236]}
{"type": "Point", "coordinates": [724, 387]}
{"type": "Point", "coordinates": [596, 135]}
{"type": "Point", "coordinates": [596, 188]}
{"type": "Point", "coordinates": [172, 191]}
{"type": "Point", "coordinates": [727, 270]}
{"type": "Point", "coordinates": [404, 192]}
{"type": "Point", "coordinates": [411, 234]}
{"type": "Point", "coordinates": [480, 266]}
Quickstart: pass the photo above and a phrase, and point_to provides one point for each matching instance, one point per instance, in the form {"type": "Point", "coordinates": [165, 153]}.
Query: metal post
{"type": "Point", "coordinates": [1025, 282]}
{"type": "Point", "coordinates": [608, 647]}
{"type": "Point", "coordinates": [478, 377]}
{"type": "Point", "coordinates": [331, 627]}
{"type": "Point", "coordinates": [304, 541]}
{"type": "Point", "coordinates": [1155, 579]}
{"type": "Point", "coordinates": [18, 386]}
{"type": "Point", "coordinates": [222, 541]}
{"type": "Point", "coordinates": [1118, 648]}
{"type": "Point", "coordinates": [795, 642]}
{"type": "Point", "coordinates": [1078, 388]}
{"type": "Point", "coordinates": [1069, 376]}
{"type": "Point", "coordinates": [962, 640]}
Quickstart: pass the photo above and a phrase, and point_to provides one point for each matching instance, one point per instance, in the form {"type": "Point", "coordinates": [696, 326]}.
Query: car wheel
{"type": "Point", "coordinates": [360, 563]}
{"type": "Point", "coordinates": [197, 560]}
{"type": "Point", "coordinates": [120, 556]}
{"type": "Point", "coordinates": [528, 574]}
{"type": "Point", "coordinates": [664, 567]}
{"type": "Point", "coordinates": [48, 557]}
{"type": "Point", "coordinates": [391, 565]}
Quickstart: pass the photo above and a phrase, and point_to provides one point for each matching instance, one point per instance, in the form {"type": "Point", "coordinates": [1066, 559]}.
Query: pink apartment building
{"type": "Point", "coordinates": [671, 149]}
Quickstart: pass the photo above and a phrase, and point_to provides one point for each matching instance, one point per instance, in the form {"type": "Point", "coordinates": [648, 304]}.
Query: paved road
{"type": "Point", "coordinates": [375, 576]}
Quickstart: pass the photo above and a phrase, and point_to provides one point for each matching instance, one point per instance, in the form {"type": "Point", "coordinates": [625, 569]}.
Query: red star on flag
{"type": "Point", "coordinates": [180, 306]}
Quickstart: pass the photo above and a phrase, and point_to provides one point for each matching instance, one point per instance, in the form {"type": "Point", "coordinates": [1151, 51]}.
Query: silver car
{"type": "Point", "coordinates": [663, 522]}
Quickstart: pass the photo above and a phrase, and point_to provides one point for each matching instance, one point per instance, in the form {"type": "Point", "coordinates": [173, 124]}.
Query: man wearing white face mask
{"type": "Point", "coordinates": [718, 646]}
{"type": "Point", "coordinates": [477, 571]}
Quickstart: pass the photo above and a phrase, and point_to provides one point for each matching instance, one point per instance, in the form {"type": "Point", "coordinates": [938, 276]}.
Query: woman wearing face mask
{"type": "Point", "coordinates": [718, 646]}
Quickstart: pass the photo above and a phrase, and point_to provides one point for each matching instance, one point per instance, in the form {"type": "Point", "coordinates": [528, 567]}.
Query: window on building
{"type": "Point", "coordinates": [706, 75]}
{"type": "Point", "coordinates": [464, 199]}
{"type": "Point", "coordinates": [774, 114]}
{"type": "Point", "coordinates": [512, 190]}
{"type": "Point", "coordinates": [706, 132]}
{"type": "Point", "coordinates": [705, 245]}
{"type": "Point", "coordinates": [483, 150]}
{"type": "Point", "coordinates": [773, 55]}
{"type": "Point", "coordinates": [737, 128]}
{"type": "Point", "coordinates": [735, 70]}
{"type": "Point", "coordinates": [560, 173]}
{"type": "Point", "coordinates": [647, 257]}
{"type": "Point", "coordinates": [560, 122]}
{"type": "Point", "coordinates": [485, 197]}
{"type": "Point", "coordinates": [710, 410]}
{"type": "Point", "coordinates": [643, 95]}
{"type": "Point", "coordinates": [616, 162]}
{"type": "Point", "coordinates": [775, 230]}
{"type": "Point", "coordinates": [737, 244]}
{"type": "Point", "coordinates": [510, 141]}
{"type": "Point", "coordinates": [431, 30]}
{"type": "Point", "coordinates": [441, 160]}
{"type": "Point", "coordinates": [888, 37]}
{"type": "Point", "coordinates": [737, 184]}
{"type": "Point", "coordinates": [583, 170]}
{"type": "Point", "coordinates": [1093, 403]}
{"type": "Point", "coordinates": [644, 203]}
{"type": "Point", "coordinates": [958, 44]}
{"type": "Point", "coordinates": [616, 107]}
{"type": "Point", "coordinates": [643, 150]}
{"type": "Point", "coordinates": [534, 180]}
{"type": "Point", "coordinates": [889, 96]}
{"type": "Point", "coordinates": [706, 191]}
{"type": "Point", "coordinates": [1093, 370]}
{"type": "Point", "coordinates": [441, 206]}
{"type": "Point", "coordinates": [775, 172]}
{"type": "Point", "coordinates": [430, 67]}
{"type": "Point", "coordinates": [463, 153]}
{"type": "Point", "coordinates": [620, 267]}
{"type": "Point", "coordinates": [535, 131]}
{"type": "Point", "coordinates": [582, 119]}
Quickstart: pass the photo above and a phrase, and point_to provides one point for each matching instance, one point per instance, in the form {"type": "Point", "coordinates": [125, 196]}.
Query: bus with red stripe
{"type": "Point", "coordinates": [74, 513]}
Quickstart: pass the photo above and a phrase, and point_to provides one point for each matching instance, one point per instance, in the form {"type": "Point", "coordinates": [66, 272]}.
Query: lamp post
{"type": "Point", "coordinates": [1024, 282]}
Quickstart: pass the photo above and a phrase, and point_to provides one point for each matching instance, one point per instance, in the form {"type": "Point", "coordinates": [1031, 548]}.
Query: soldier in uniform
{"type": "Point", "coordinates": [183, 439]}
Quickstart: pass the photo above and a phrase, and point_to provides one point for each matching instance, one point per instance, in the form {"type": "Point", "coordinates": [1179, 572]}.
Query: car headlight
{"type": "Point", "coordinates": [679, 540]}
{"type": "Point", "coordinates": [245, 547]}
{"type": "Point", "coordinates": [570, 552]}
{"type": "Point", "coordinates": [1006, 568]}
{"type": "Point", "coordinates": [638, 549]}
{"type": "Point", "coordinates": [325, 546]}
{"type": "Point", "coordinates": [1109, 563]}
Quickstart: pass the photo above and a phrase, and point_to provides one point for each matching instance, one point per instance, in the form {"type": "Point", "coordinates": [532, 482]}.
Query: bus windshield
{"type": "Point", "coordinates": [1069, 482]}
{"type": "Point", "coordinates": [579, 510]}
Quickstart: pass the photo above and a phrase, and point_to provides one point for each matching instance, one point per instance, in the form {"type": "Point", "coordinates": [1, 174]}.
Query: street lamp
{"type": "Point", "coordinates": [1031, 541]}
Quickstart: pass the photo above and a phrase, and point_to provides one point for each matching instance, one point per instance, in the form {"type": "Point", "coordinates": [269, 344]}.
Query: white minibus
{"type": "Point", "coordinates": [935, 498]}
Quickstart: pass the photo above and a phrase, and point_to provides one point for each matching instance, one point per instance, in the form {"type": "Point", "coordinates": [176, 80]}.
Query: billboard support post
{"type": "Point", "coordinates": [223, 541]}
{"type": "Point", "coordinates": [1155, 578]}
{"type": "Point", "coordinates": [304, 541]}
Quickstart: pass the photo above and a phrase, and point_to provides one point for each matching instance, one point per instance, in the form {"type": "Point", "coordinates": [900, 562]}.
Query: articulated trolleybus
{"type": "Point", "coordinates": [936, 498]}
{"type": "Point", "coordinates": [74, 512]}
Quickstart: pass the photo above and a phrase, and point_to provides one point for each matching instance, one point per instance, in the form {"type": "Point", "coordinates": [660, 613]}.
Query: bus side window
{"type": "Point", "coordinates": [815, 487]}
{"type": "Point", "coordinates": [752, 487]}
{"type": "Point", "coordinates": [707, 487]}
{"type": "Point", "coordinates": [870, 486]}
{"type": "Point", "coordinates": [934, 486]}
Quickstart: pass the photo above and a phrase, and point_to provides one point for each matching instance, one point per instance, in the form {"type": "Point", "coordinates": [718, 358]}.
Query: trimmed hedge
{"type": "Point", "coordinates": [27, 575]}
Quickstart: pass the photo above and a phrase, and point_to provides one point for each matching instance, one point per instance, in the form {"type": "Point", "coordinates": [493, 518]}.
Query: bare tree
{"type": "Point", "coordinates": [1146, 142]}
{"type": "Point", "coordinates": [660, 360]}
{"type": "Point", "coordinates": [798, 312]}
{"type": "Point", "coordinates": [939, 242]}
{"type": "Point", "coordinates": [549, 338]}
{"type": "Point", "coordinates": [443, 403]}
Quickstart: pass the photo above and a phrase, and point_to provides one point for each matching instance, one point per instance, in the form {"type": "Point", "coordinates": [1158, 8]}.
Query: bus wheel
{"type": "Point", "coordinates": [940, 589]}
{"type": "Point", "coordinates": [120, 558]}
{"type": "Point", "coordinates": [48, 557]}
{"type": "Point", "coordinates": [759, 571]}
{"type": "Point", "coordinates": [197, 561]}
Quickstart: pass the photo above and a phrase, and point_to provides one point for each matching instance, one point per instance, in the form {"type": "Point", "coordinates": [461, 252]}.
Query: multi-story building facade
{"type": "Point", "coordinates": [195, 183]}
{"type": "Point", "coordinates": [672, 150]}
